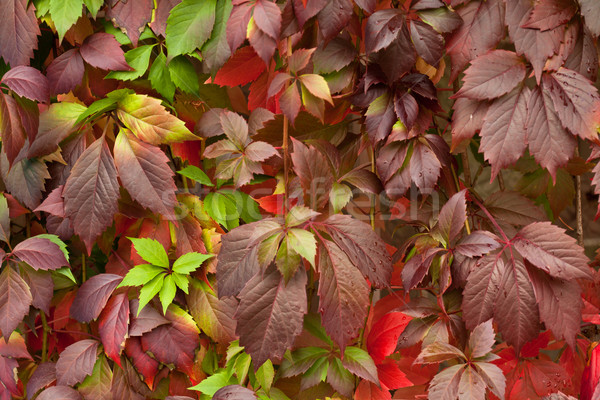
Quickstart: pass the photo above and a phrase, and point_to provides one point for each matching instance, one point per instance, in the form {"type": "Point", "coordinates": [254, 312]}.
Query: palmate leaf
{"type": "Point", "coordinates": [141, 274]}
{"type": "Point", "coordinates": [270, 314]}
{"type": "Point", "coordinates": [189, 26]}
{"type": "Point", "coordinates": [382, 28]}
{"type": "Point", "coordinates": [131, 17]}
{"type": "Point", "coordinates": [65, 72]}
{"type": "Point", "coordinates": [214, 316]}
{"type": "Point", "coordinates": [98, 384]}
{"type": "Point", "coordinates": [151, 250]}
{"type": "Point", "coordinates": [138, 60]}
{"type": "Point", "coordinates": [15, 299]}
{"type": "Point", "coordinates": [149, 290]}
{"type": "Point", "coordinates": [114, 326]}
{"type": "Point", "coordinates": [76, 362]}
{"type": "Point", "coordinates": [41, 253]}
{"type": "Point", "coordinates": [64, 14]}
{"type": "Point", "coordinates": [189, 262]}
{"type": "Point", "coordinates": [93, 295]}
{"type": "Point", "coordinates": [102, 50]}
{"type": "Point", "coordinates": [167, 292]}
{"type": "Point", "coordinates": [27, 82]}
{"type": "Point", "coordinates": [18, 32]}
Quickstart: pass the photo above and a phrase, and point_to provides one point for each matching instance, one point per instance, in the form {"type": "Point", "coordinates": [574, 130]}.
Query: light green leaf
{"type": "Point", "coordinates": [267, 249]}
{"type": "Point", "coordinates": [287, 260]}
{"type": "Point", "coordinates": [242, 366]}
{"type": "Point", "coordinates": [317, 86]}
{"type": "Point", "coordinates": [97, 108]}
{"type": "Point", "coordinates": [233, 349]}
{"type": "Point", "coordinates": [93, 6]}
{"type": "Point", "coordinates": [189, 25]}
{"type": "Point", "coordinates": [210, 385]}
{"type": "Point", "coordinates": [196, 174]}
{"type": "Point", "coordinates": [299, 215]}
{"type": "Point", "coordinates": [181, 281]}
{"type": "Point", "coordinates": [167, 292]}
{"type": "Point", "coordinates": [189, 262]}
{"type": "Point", "coordinates": [304, 243]}
{"type": "Point", "coordinates": [64, 14]}
{"type": "Point", "coordinates": [160, 79]}
{"type": "Point", "coordinates": [360, 363]}
{"type": "Point", "coordinates": [138, 59]}
{"type": "Point", "coordinates": [151, 250]}
{"type": "Point", "coordinates": [141, 274]}
{"type": "Point", "coordinates": [222, 209]}
{"type": "Point", "coordinates": [183, 74]}
{"type": "Point", "coordinates": [63, 278]}
{"type": "Point", "coordinates": [150, 290]}
{"type": "Point", "coordinates": [42, 7]}
{"type": "Point", "coordinates": [339, 196]}
{"type": "Point", "coordinates": [4, 220]}
{"type": "Point", "coordinates": [98, 383]}
{"type": "Point", "coordinates": [265, 375]}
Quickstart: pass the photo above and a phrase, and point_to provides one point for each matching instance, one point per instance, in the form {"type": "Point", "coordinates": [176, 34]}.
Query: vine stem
{"type": "Point", "coordinates": [578, 204]}
{"type": "Point", "coordinates": [373, 199]}
{"type": "Point", "coordinates": [45, 330]}
{"type": "Point", "coordinates": [285, 145]}
{"type": "Point", "coordinates": [83, 272]}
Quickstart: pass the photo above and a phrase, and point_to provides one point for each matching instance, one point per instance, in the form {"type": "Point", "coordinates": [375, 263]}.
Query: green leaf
{"type": "Point", "coordinates": [287, 260]}
{"type": "Point", "coordinates": [181, 281]}
{"type": "Point", "coordinates": [138, 59]}
{"type": "Point", "coordinates": [339, 196]}
{"type": "Point", "coordinates": [317, 86]}
{"type": "Point", "coordinates": [233, 349]}
{"type": "Point", "coordinates": [141, 274]}
{"type": "Point", "coordinates": [299, 215]}
{"type": "Point", "coordinates": [317, 372]}
{"type": "Point", "coordinates": [160, 79]}
{"type": "Point", "coordinates": [56, 240]}
{"type": "Point", "coordinates": [216, 50]}
{"type": "Point", "coordinates": [189, 262]}
{"type": "Point", "coordinates": [304, 243]}
{"type": "Point", "coordinates": [265, 375]}
{"type": "Point", "coordinates": [151, 250]}
{"type": "Point", "coordinates": [99, 382]}
{"type": "Point", "coordinates": [183, 74]}
{"type": "Point", "coordinates": [4, 220]}
{"type": "Point", "coordinates": [101, 106]}
{"type": "Point", "coordinates": [222, 209]}
{"type": "Point", "coordinates": [246, 206]}
{"type": "Point", "coordinates": [267, 249]}
{"type": "Point", "coordinates": [150, 290]}
{"type": "Point", "coordinates": [189, 25]}
{"type": "Point", "coordinates": [360, 363]}
{"type": "Point", "coordinates": [167, 292]}
{"type": "Point", "coordinates": [210, 385]}
{"type": "Point", "coordinates": [64, 14]}
{"type": "Point", "coordinates": [196, 174]}
{"type": "Point", "coordinates": [93, 6]}
{"type": "Point", "coordinates": [63, 278]}
{"type": "Point", "coordinates": [312, 323]}
{"type": "Point", "coordinates": [242, 366]}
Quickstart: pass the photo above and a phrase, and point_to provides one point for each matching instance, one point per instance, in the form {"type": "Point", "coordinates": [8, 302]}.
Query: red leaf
{"type": "Point", "coordinates": [272, 204]}
{"type": "Point", "coordinates": [370, 391]}
{"type": "Point", "coordinates": [101, 50]}
{"type": "Point", "coordinates": [382, 28]}
{"type": "Point", "coordinates": [234, 392]}
{"type": "Point", "coordinates": [428, 43]}
{"type": "Point", "coordinates": [213, 315]}
{"type": "Point", "coordinates": [13, 133]}
{"type": "Point", "coordinates": [59, 392]}
{"type": "Point", "coordinates": [452, 217]}
{"type": "Point", "coordinates": [425, 167]}
{"type": "Point", "coordinates": [54, 203]}
{"type": "Point", "coordinates": [148, 319]}
{"type": "Point", "coordinates": [44, 374]}
{"type": "Point", "coordinates": [132, 16]}
{"type": "Point", "coordinates": [93, 295]}
{"type": "Point", "coordinates": [267, 16]}
{"type": "Point", "coordinates": [91, 192]}
{"type": "Point", "coordinates": [40, 253]}
{"type": "Point", "coordinates": [591, 376]}
{"type": "Point", "coordinates": [503, 131]}
{"type": "Point", "coordinates": [113, 324]}
{"type": "Point", "coordinates": [27, 82]}
{"type": "Point", "coordinates": [384, 334]}
{"type": "Point", "coordinates": [243, 67]}
{"type": "Point", "coordinates": [14, 347]}
{"type": "Point", "coordinates": [145, 173]}
{"type": "Point", "coordinates": [8, 374]}
{"type": "Point", "coordinates": [549, 14]}
{"type": "Point", "coordinates": [15, 299]}
{"type": "Point", "coordinates": [76, 362]}
{"type": "Point", "coordinates": [270, 314]}
{"type": "Point", "coordinates": [477, 244]}
{"type": "Point", "coordinates": [343, 294]}
{"type": "Point", "coordinates": [334, 17]}
{"type": "Point", "coordinates": [18, 32]}
{"type": "Point", "coordinates": [390, 375]}
{"type": "Point", "coordinates": [65, 72]}
{"type": "Point", "coordinates": [174, 343]}
{"type": "Point", "coordinates": [467, 119]}
{"type": "Point", "coordinates": [143, 363]}
{"type": "Point", "coordinates": [482, 29]}
{"type": "Point", "coordinates": [237, 25]}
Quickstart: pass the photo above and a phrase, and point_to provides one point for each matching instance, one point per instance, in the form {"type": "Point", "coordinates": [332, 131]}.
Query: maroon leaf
{"type": "Point", "coordinates": [492, 75]}
{"type": "Point", "coordinates": [290, 102]}
{"type": "Point", "coordinates": [101, 50]}
{"type": "Point", "coordinates": [590, 10]}
{"type": "Point", "coordinates": [159, 22]}
{"type": "Point", "coordinates": [380, 118]}
{"type": "Point", "coordinates": [174, 343]}
{"type": "Point", "coordinates": [576, 101]}
{"type": "Point", "coordinates": [113, 324]}
{"type": "Point", "coordinates": [145, 173]}
{"type": "Point", "coordinates": [382, 28]}
{"type": "Point", "coordinates": [263, 44]}
{"type": "Point", "coordinates": [238, 257]}
{"type": "Point", "coordinates": [126, 381]}
{"type": "Point", "coordinates": [481, 30]}
{"type": "Point", "coordinates": [237, 25]}
{"type": "Point", "coordinates": [306, 10]}
{"type": "Point", "coordinates": [65, 72]}
{"type": "Point", "coordinates": [334, 17]}
{"type": "Point", "coordinates": [59, 392]}
{"type": "Point", "coordinates": [584, 56]}
{"type": "Point", "coordinates": [234, 392]}
{"type": "Point", "coordinates": [537, 46]}
{"type": "Point", "coordinates": [13, 133]}
{"type": "Point", "coordinates": [559, 303]}
{"type": "Point", "coordinates": [445, 384]}
{"type": "Point", "coordinates": [243, 67]}
{"type": "Point", "coordinates": [148, 319]}
{"type": "Point", "coordinates": [425, 168]}
{"type": "Point", "coordinates": [514, 208]}
{"type": "Point", "coordinates": [467, 119]}
{"type": "Point", "coordinates": [41, 287]}
{"type": "Point", "coordinates": [44, 374]}
{"type": "Point", "coordinates": [363, 246]}
{"type": "Point", "coordinates": [54, 203]}
{"type": "Point", "coordinates": [477, 244]}
{"type": "Point", "coordinates": [315, 175]}
{"type": "Point", "coordinates": [15, 299]}
{"type": "Point", "coordinates": [18, 32]}
{"type": "Point", "coordinates": [27, 82]}
{"type": "Point", "coordinates": [25, 179]}
{"type": "Point", "coordinates": [91, 192]}
{"type": "Point", "coordinates": [270, 314]}
{"type": "Point", "coordinates": [417, 267]}
{"type": "Point", "coordinates": [8, 374]}
{"type": "Point", "coordinates": [143, 363]}
{"type": "Point", "coordinates": [40, 253]}
{"type": "Point", "coordinates": [550, 144]}
{"type": "Point", "coordinates": [93, 295]}
{"type": "Point", "coordinates": [214, 316]}
{"type": "Point", "coordinates": [548, 247]}
{"type": "Point", "coordinates": [398, 58]}
{"type": "Point", "coordinates": [406, 109]}
{"type": "Point", "coordinates": [549, 14]}
{"type": "Point", "coordinates": [482, 339]}
{"type": "Point", "coordinates": [428, 43]}
{"type": "Point", "coordinates": [343, 294]}
{"type": "Point", "coordinates": [132, 16]}
{"type": "Point", "coordinates": [267, 16]}
{"type": "Point", "coordinates": [503, 131]}
{"type": "Point", "coordinates": [452, 217]}
{"type": "Point", "coordinates": [481, 290]}
{"type": "Point", "coordinates": [76, 362]}
{"type": "Point", "coordinates": [259, 151]}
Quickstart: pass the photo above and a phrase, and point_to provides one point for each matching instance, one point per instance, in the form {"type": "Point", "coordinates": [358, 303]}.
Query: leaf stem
{"type": "Point", "coordinates": [285, 145]}
{"type": "Point", "coordinates": [45, 330]}
{"type": "Point", "coordinates": [457, 184]}
{"type": "Point", "coordinates": [373, 199]}
{"type": "Point", "coordinates": [578, 204]}
{"type": "Point", "coordinates": [491, 218]}
{"type": "Point", "coordinates": [83, 271]}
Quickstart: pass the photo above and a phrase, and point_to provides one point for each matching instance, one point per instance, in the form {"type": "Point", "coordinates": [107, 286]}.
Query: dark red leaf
{"type": "Point", "coordinates": [65, 72]}
{"type": "Point", "coordinates": [101, 50]}
{"type": "Point", "coordinates": [13, 133]}
{"type": "Point", "coordinates": [467, 119]}
{"type": "Point", "coordinates": [243, 67]}
{"type": "Point", "coordinates": [148, 319]}
{"type": "Point", "coordinates": [143, 363]}
{"type": "Point", "coordinates": [425, 168]}
{"type": "Point", "coordinates": [44, 374]}
{"type": "Point", "coordinates": [305, 10]}
{"type": "Point", "coordinates": [417, 267]}
{"type": "Point", "coordinates": [76, 362]}
{"type": "Point", "coordinates": [18, 32]}
{"type": "Point", "coordinates": [367, 390]}
{"type": "Point", "coordinates": [477, 244]}
{"type": "Point", "coordinates": [15, 299]}
{"type": "Point", "coordinates": [93, 295]}
{"type": "Point", "coordinates": [91, 192]}
{"type": "Point", "coordinates": [263, 44]}
{"type": "Point", "coordinates": [343, 294]}
{"type": "Point", "coordinates": [27, 82]}
{"type": "Point", "coordinates": [311, 166]}
{"type": "Point", "coordinates": [159, 22]}
{"type": "Point", "coordinates": [40, 253]}
{"type": "Point", "coordinates": [382, 28]}
{"type": "Point", "coordinates": [398, 58]}
{"type": "Point", "coordinates": [267, 17]}
{"type": "Point", "coordinates": [406, 109]}
{"type": "Point", "coordinates": [290, 102]}
{"type": "Point", "coordinates": [428, 43]}
{"type": "Point", "coordinates": [59, 393]}
{"type": "Point", "coordinates": [452, 217]}
{"type": "Point", "coordinates": [132, 16]}
{"type": "Point", "coordinates": [25, 179]}
{"type": "Point", "coordinates": [270, 314]}
{"type": "Point", "coordinates": [549, 14]}
{"type": "Point", "coordinates": [237, 25]}
{"type": "Point", "coordinates": [113, 324]}
{"type": "Point", "coordinates": [334, 17]}
{"type": "Point", "coordinates": [234, 392]}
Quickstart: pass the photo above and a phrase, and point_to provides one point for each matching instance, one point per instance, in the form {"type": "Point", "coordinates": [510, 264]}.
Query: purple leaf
{"type": "Point", "coordinates": [65, 72]}
{"type": "Point", "coordinates": [15, 299]}
{"type": "Point", "coordinates": [18, 32]}
{"type": "Point", "coordinates": [76, 362]}
{"type": "Point", "coordinates": [40, 253]}
{"type": "Point", "coordinates": [93, 295]}
{"type": "Point", "coordinates": [101, 50]}
{"type": "Point", "coordinates": [44, 374]}
{"type": "Point", "coordinates": [28, 82]}
{"type": "Point", "coordinates": [234, 392]}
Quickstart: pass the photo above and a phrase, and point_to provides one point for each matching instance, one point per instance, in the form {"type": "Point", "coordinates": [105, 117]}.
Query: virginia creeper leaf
{"type": "Point", "coordinates": [41, 287]}
{"type": "Point", "coordinates": [65, 72]}
{"type": "Point", "coordinates": [428, 43]}
{"type": "Point", "coordinates": [189, 25]}
{"type": "Point", "coordinates": [98, 384]}
{"type": "Point", "coordinates": [113, 326]}
{"type": "Point", "coordinates": [27, 82]}
{"type": "Point", "coordinates": [15, 299]}
{"type": "Point", "coordinates": [40, 253]}
{"type": "Point", "coordinates": [93, 295]}
{"type": "Point", "coordinates": [167, 292]}
{"type": "Point", "coordinates": [214, 316]}
{"type": "Point", "coordinates": [482, 339]}
{"type": "Point", "coordinates": [56, 124]}
{"type": "Point", "coordinates": [13, 134]}
{"type": "Point", "coordinates": [59, 392]}
{"type": "Point", "coordinates": [243, 67]}
{"type": "Point", "coordinates": [144, 321]}
{"type": "Point", "coordinates": [549, 14]}
{"type": "Point", "coordinates": [137, 60]}
{"type": "Point", "coordinates": [65, 14]}
{"type": "Point", "coordinates": [445, 384]}
{"type": "Point", "coordinates": [149, 290]}
{"type": "Point", "coordinates": [382, 28]}
{"type": "Point", "coordinates": [360, 363]}
{"type": "Point", "coordinates": [101, 50]}
{"type": "Point", "coordinates": [131, 17]}
{"type": "Point", "coordinates": [18, 32]}
{"type": "Point", "coordinates": [76, 362]}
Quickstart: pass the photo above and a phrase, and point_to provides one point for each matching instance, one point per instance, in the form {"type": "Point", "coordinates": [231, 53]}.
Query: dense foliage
{"type": "Point", "coordinates": [298, 199]}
